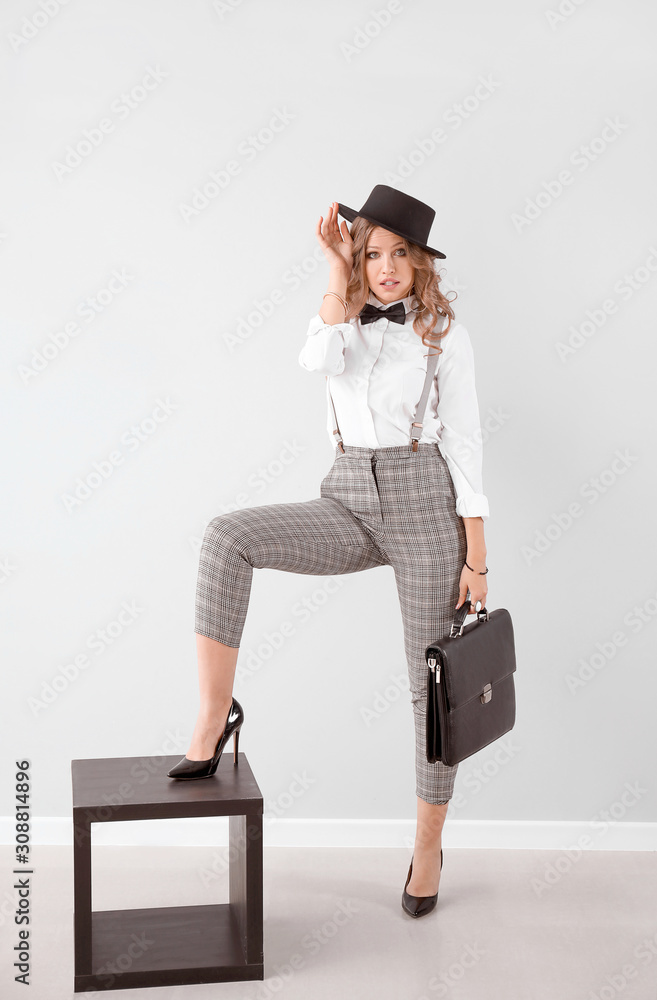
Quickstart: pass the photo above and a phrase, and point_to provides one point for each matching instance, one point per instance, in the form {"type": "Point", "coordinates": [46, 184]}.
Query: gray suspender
{"type": "Point", "coordinates": [416, 426]}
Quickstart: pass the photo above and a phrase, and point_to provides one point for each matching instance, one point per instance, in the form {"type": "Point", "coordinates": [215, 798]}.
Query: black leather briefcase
{"type": "Point", "coordinates": [470, 688]}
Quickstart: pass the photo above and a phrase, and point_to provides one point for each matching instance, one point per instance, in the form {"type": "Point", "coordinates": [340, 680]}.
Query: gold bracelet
{"type": "Point", "coordinates": [337, 296]}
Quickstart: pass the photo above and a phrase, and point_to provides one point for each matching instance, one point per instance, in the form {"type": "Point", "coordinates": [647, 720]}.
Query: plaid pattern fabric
{"type": "Point", "coordinates": [377, 507]}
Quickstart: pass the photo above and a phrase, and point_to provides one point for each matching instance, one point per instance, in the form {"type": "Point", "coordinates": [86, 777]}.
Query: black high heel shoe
{"type": "Point", "coordinates": [189, 769]}
{"type": "Point", "coordinates": [417, 906]}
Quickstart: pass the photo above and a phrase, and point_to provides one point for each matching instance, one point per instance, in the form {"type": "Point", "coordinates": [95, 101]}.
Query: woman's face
{"type": "Point", "coordinates": [388, 269]}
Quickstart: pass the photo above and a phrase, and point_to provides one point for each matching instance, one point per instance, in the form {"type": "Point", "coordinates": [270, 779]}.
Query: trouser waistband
{"type": "Point", "coordinates": [391, 451]}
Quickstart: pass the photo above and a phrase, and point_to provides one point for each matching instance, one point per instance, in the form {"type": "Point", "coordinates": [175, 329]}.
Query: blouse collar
{"type": "Point", "coordinates": [410, 302]}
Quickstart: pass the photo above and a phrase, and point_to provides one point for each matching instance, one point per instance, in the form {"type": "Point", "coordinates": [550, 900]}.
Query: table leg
{"type": "Point", "coordinates": [82, 892]}
{"type": "Point", "coordinates": [245, 882]}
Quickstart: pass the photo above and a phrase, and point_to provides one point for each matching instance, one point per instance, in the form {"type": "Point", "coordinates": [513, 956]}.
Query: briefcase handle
{"type": "Point", "coordinates": [456, 628]}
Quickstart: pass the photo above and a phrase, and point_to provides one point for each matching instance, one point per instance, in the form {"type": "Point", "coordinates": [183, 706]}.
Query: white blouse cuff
{"type": "Point", "coordinates": [473, 505]}
{"type": "Point", "coordinates": [317, 323]}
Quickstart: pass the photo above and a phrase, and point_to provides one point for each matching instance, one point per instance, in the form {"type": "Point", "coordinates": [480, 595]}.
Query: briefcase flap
{"type": "Point", "coordinates": [483, 654]}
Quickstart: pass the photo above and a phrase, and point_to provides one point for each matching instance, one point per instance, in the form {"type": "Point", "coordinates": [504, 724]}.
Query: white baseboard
{"type": "Point", "coordinates": [536, 835]}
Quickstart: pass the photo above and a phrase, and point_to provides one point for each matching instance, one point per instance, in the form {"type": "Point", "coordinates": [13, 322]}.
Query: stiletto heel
{"type": "Point", "coordinates": [417, 906]}
{"type": "Point", "coordinates": [188, 769]}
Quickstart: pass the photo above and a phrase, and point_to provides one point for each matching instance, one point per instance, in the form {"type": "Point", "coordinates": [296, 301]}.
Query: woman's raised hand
{"type": "Point", "coordinates": [338, 249]}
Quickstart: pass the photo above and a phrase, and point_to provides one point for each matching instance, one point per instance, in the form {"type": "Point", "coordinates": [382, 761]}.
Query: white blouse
{"type": "Point", "coordinates": [376, 372]}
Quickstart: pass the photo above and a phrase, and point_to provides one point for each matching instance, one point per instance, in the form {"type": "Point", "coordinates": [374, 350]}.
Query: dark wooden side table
{"type": "Point", "coordinates": [168, 945]}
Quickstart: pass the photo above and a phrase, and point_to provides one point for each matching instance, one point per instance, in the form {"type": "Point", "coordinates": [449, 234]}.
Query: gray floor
{"type": "Point", "coordinates": [591, 933]}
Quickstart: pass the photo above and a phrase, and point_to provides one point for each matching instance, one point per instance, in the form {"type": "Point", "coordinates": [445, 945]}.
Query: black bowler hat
{"type": "Point", "coordinates": [400, 213]}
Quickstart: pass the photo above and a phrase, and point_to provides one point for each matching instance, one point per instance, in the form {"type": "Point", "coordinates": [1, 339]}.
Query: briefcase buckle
{"type": "Point", "coordinates": [454, 632]}
{"type": "Point", "coordinates": [486, 694]}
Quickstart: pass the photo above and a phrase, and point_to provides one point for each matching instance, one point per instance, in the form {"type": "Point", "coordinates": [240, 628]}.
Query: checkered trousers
{"type": "Point", "coordinates": [377, 507]}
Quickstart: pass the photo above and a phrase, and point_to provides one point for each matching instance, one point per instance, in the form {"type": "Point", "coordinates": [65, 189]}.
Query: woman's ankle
{"type": "Point", "coordinates": [428, 847]}
{"type": "Point", "coordinates": [429, 837]}
{"type": "Point", "coordinates": [214, 713]}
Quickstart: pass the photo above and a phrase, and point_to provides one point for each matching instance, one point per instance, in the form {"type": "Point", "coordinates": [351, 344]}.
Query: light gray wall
{"type": "Point", "coordinates": [240, 403]}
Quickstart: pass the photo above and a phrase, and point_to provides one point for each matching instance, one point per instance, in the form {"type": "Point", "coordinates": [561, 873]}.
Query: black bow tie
{"type": "Point", "coordinates": [396, 313]}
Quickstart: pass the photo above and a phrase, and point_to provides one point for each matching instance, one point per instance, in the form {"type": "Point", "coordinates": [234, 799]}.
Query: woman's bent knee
{"type": "Point", "coordinates": [225, 531]}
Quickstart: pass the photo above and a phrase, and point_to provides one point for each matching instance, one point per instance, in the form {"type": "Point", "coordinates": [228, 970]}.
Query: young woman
{"type": "Point", "coordinates": [405, 488]}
